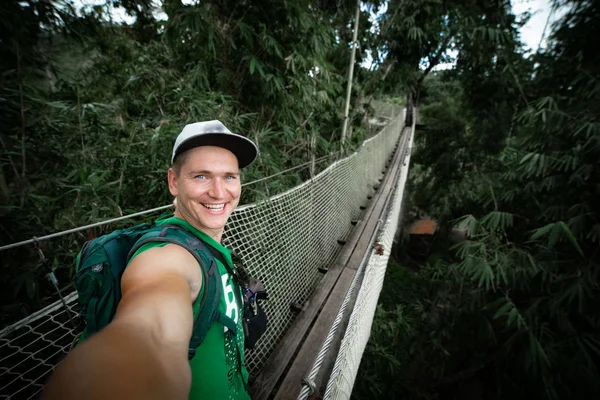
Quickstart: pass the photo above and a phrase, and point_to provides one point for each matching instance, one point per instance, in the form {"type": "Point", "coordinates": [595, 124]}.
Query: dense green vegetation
{"type": "Point", "coordinates": [91, 107]}
{"type": "Point", "coordinates": [510, 153]}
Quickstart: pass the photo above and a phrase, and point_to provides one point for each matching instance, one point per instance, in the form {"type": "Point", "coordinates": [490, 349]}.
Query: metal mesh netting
{"type": "Point", "coordinates": [385, 110]}
{"type": "Point", "coordinates": [283, 241]}
{"type": "Point", "coordinates": [358, 330]}
{"type": "Point", "coordinates": [31, 348]}
{"type": "Point", "coordinates": [286, 239]}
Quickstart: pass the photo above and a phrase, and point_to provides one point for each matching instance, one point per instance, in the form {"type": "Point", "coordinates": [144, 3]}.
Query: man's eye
{"type": "Point", "coordinates": [200, 176]}
{"type": "Point", "coordinates": [230, 177]}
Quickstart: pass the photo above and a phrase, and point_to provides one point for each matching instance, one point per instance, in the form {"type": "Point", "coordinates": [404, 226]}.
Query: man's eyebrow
{"type": "Point", "coordinates": [206, 172]}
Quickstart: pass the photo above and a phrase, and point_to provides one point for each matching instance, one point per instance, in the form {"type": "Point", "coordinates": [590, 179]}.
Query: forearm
{"type": "Point", "coordinates": [121, 362]}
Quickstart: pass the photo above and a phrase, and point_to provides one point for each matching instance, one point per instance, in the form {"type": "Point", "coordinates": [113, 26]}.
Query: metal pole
{"type": "Point", "coordinates": [313, 149]}
{"type": "Point", "coordinates": [350, 74]}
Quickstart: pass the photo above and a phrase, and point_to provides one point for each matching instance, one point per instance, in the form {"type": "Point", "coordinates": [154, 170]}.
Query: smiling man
{"type": "Point", "coordinates": [145, 351]}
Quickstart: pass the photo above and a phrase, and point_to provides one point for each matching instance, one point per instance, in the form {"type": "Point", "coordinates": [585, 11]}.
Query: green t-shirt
{"type": "Point", "coordinates": [216, 369]}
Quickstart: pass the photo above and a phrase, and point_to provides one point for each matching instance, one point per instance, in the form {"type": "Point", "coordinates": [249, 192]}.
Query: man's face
{"type": "Point", "coordinates": [207, 188]}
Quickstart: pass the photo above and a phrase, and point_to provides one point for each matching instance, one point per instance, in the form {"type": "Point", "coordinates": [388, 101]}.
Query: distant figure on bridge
{"type": "Point", "coordinates": [149, 350]}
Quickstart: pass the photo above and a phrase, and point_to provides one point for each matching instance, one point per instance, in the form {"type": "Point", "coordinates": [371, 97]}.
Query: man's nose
{"type": "Point", "coordinates": [216, 191]}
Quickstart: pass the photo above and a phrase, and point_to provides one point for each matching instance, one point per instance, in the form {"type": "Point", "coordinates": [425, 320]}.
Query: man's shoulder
{"type": "Point", "coordinates": [170, 238]}
{"type": "Point", "coordinates": [156, 263]}
{"type": "Point", "coordinates": [163, 254]}
{"type": "Point", "coordinates": [146, 247]}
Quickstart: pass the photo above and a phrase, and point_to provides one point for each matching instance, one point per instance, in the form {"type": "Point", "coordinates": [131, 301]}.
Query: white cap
{"type": "Point", "coordinates": [214, 133]}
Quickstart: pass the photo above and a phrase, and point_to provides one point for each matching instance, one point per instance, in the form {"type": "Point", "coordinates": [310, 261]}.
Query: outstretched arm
{"type": "Point", "coordinates": [143, 352]}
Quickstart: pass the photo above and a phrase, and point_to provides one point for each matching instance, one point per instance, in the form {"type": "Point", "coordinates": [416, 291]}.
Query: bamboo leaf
{"type": "Point", "coordinates": [469, 224]}
{"type": "Point", "coordinates": [567, 231]}
{"type": "Point", "coordinates": [504, 310]}
{"type": "Point", "coordinates": [497, 220]}
{"type": "Point", "coordinates": [543, 231]}
{"type": "Point", "coordinates": [513, 316]}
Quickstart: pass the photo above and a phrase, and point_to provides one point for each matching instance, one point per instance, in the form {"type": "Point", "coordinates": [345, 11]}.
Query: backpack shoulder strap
{"type": "Point", "coordinates": [209, 304]}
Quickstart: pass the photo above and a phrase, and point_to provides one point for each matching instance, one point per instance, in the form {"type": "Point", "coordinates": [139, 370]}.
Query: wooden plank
{"type": "Point", "coordinates": [290, 388]}
{"type": "Point", "coordinates": [372, 209]}
{"type": "Point", "coordinates": [281, 357]}
{"type": "Point", "coordinates": [385, 194]}
{"type": "Point", "coordinates": [269, 376]}
{"type": "Point", "coordinates": [329, 360]}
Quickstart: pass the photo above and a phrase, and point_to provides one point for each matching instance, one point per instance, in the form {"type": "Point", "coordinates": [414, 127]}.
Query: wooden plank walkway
{"type": "Point", "coordinates": [293, 358]}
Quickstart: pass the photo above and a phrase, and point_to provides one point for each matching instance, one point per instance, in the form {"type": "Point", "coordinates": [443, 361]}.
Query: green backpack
{"type": "Point", "coordinates": [101, 262]}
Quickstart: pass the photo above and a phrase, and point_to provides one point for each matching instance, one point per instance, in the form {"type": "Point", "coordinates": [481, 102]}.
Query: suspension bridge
{"type": "Point", "coordinates": [321, 248]}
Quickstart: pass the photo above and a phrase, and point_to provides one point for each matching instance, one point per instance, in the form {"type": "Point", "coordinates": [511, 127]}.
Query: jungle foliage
{"type": "Point", "coordinates": [509, 152]}
{"type": "Point", "coordinates": [91, 106]}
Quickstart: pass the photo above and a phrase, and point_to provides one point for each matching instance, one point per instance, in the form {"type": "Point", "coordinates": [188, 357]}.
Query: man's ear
{"type": "Point", "coordinates": [172, 178]}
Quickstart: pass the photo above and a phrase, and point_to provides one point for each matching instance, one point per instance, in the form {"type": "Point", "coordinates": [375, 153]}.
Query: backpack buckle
{"type": "Point", "coordinates": [252, 294]}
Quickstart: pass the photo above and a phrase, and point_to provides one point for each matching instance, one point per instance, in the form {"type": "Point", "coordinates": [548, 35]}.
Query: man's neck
{"type": "Point", "coordinates": [216, 234]}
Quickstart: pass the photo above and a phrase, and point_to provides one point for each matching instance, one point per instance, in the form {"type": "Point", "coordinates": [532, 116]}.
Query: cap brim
{"type": "Point", "coordinates": [244, 149]}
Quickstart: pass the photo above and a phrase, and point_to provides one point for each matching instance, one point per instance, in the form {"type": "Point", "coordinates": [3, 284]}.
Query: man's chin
{"type": "Point", "coordinates": [214, 223]}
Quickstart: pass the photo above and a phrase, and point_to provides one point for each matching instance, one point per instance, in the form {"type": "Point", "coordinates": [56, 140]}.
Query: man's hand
{"type": "Point", "coordinates": [143, 352]}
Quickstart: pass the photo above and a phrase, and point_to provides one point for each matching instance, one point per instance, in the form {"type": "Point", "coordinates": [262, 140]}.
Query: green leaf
{"type": "Point", "coordinates": [469, 224]}
{"type": "Point", "coordinates": [513, 316]}
{"type": "Point", "coordinates": [486, 274]}
{"type": "Point", "coordinates": [497, 220]}
{"type": "Point", "coordinates": [554, 231]}
{"type": "Point", "coordinates": [462, 249]}
{"type": "Point", "coordinates": [259, 68]}
{"type": "Point", "coordinates": [57, 104]}
{"type": "Point", "coordinates": [543, 231]}
{"type": "Point", "coordinates": [537, 349]}
{"type": "Point", "coordinates": [504, 310]}
{"type": "Point", "coordinates": [570, 236]}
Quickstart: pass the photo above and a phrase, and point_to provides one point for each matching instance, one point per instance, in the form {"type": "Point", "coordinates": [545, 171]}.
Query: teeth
{"type": "Point", "coordinates": [214, 206]}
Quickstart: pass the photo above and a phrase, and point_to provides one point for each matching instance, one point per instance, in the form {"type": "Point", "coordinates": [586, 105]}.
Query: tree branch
{"type": "Point", "coordinates": [388, 69]}
{"type": "Point", "coordinates": [436, 59]}
{"type": "Point", "coordinates": [22, 105]}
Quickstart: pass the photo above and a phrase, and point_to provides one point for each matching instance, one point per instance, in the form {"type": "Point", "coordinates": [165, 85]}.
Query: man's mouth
{"type": "Point", "coordinates": [214, 207]}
